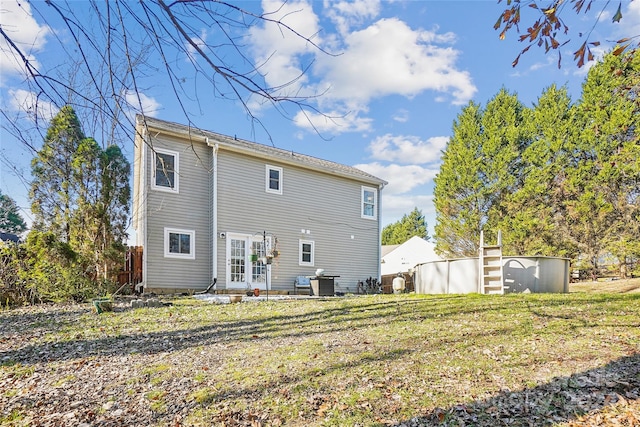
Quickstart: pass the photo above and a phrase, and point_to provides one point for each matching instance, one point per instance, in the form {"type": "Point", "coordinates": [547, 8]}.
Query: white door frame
{"type": "Point", "coordinates": [245, 272]}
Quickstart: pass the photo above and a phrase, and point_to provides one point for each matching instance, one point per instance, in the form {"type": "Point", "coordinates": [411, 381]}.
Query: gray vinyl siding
{"type": "Point", "coordinates": [190, 209]}
{"type": "Point", "coordinates": [327, 205]}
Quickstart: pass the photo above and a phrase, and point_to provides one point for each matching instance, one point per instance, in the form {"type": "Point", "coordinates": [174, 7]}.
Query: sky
{"type": "Point", "coordinates": [392, 76]}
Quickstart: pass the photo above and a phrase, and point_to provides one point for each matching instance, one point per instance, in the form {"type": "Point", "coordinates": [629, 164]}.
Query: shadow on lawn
{"type": "Point", "coordinates": [321, 320]}
{"type": "Point", "coordinates": [346, 318]}
{"type": "Point", "coordinates": [560, 400]}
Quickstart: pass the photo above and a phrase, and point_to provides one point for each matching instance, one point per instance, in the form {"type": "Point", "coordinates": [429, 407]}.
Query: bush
{"type": "Point", "coordinates": [12, 288]}
{"type": "Point", "coordinates": [44, 269]}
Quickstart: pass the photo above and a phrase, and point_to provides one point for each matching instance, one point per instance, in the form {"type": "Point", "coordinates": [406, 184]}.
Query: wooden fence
{"type": "Point", "coordinates": [132, 272]}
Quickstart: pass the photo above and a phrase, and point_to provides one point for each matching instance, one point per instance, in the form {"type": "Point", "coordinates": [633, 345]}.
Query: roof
{"type": "Point", "coordinates": [8, 237]}
{"type": "Point", "coordinates": [386, 249]}
{"type": "Point", "coordinates": [407, 255]}
{"type": "Point", "coordinates": [257, 149]}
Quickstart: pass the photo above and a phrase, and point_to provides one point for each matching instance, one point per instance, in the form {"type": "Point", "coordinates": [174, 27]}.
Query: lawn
{"type": "Point", "coordinates": [450, 360]}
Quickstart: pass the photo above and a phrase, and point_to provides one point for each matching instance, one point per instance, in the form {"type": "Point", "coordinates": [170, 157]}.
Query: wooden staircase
{"type": "Point", "coordinates": [490, 261]}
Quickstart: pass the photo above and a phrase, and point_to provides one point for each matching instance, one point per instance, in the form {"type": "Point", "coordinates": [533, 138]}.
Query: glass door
{"type": "Point", "coordinates": [244, 268]}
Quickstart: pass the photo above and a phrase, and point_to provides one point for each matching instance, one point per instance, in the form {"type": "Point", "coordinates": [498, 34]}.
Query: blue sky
{"type": "Point", "coordinates": [398, 74]}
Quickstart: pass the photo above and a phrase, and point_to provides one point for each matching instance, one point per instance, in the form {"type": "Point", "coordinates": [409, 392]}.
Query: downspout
{"type": "Point", "coordinates": [144, 181]}
{"type": "Point", "coordinates": [214, 210]}
{"type": "Point", "coordinates": [380, 187]}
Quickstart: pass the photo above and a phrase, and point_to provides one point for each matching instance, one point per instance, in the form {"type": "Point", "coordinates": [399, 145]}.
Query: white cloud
{"type": "Point", "coordinates": [280, 52]}
{"type": "Point", "coordinates": [390, 58]}
{"type": "Point", "coordinates": [200, 41]}
{"type": "Point", "coordinates": [401, 116]}
{"type": "Point", "coordinates": [36, 109]}
{"type": "Point", "coordinates": [332, 122]}
{"type": "Point", "coordinates": [29, 37]}
{"type": "Point", "coordinates": [630, 22]}
{"type": "Point", "coordinates": [385, 58]}
{"type": "Point", "coordinates": [401, 178]}
{"type": "Point", "coordinates": [345, 14]}
{"type": "Point", "coordinates": [407, 149]}
{"type": "Point", "coordinates": [145, 105]}
{"type": "Point", "coordinates": [395, 206]}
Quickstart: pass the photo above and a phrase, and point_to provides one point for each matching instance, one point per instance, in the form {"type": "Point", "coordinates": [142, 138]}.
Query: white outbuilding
{"type": "Point", "coordinates": [401, 258]}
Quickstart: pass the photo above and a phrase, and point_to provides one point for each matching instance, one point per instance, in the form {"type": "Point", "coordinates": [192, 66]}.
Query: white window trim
{"type": "Point", "coordinates": [192, 243]}
{"type": "Point", "coordinates": [375, 203]}
{"type": "Point", "coordinates": [269, 168]}
{"type": "Point", "coordinates": [176, 172]}
{"type": "Point", "coordinates": [313, 250]}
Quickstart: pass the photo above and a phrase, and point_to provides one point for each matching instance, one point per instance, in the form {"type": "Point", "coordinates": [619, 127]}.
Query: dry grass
{"type": "Point", "coordinates": [515, 360]}
{"type": "Point", "coordinates": [621, 286]}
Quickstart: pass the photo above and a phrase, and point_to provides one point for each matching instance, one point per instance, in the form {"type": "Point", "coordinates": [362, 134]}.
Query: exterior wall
{"type": "Point", "coordinates": [520, 274]}
{"type": "Point", "coordinates": [189, 209]}
{"type": "Point", "coordinates": [321, 201]}
{"type": "Point", "coordinates": [328, 206]}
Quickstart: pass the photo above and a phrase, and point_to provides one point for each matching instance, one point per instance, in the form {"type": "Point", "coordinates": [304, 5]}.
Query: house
{"type": "Point", "coordinates": [207, 207]}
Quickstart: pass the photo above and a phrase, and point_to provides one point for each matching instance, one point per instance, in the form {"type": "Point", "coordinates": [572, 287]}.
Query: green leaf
{"type": "Point", "coordinates": [618, 16]}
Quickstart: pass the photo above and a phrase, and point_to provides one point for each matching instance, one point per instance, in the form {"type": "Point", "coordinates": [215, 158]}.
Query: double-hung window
{"type": "Point", "coordinates": [306, 251]}
{"type": "Point", "coordinates": [179, 243]}
{"type": "Point", "coordinates": [273, 179]}
{"type": "Point", "coordinates": [369, 204]}
{"type": "Point", "coordinates": [166, 170]}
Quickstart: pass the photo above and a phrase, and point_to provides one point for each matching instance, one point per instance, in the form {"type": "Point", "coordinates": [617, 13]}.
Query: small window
{"type": "Point", "coordinates": [179, 243]}
{"type": "Point", "coordinates": [165, 173]}
{"type": "Point", "coordinates": [274, 180]}
{"type": "Point", "coordinates": [369, 203]}
{"type": "Point", "coordinates": [306, 252]}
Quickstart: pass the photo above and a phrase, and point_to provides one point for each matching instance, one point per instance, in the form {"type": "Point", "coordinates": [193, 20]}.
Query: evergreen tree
{"type": "Point", "coordinates": [53, 196]}
{"type": "Point", "coordinates": [458, 191]}
{"type": "Point", "coordinates": [10, 219]}
{"type": "Point", "coordinates": [410, 225]}
{"type": "Point", "coordinates": [605, 207]}
{"type": "Point", "coordinates": [481, 167]}
{"type": "Point", "coordinates": [534, 225]}
{"type": "Point", "coordinates": [88, 206]}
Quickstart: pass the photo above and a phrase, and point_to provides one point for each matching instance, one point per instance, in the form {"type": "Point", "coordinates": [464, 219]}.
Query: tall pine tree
{"type": "Point", "coordinates": [481, 167]}
{"type": "Point", "coordinates": [604, 209]}
{"type": "Point", "coordinates": [53, 196]}
{"type": "Point", "coordinates": [534, 223]}
{"type": "Point", "coordinates": [80, 192]}
{"type": "Point", "coordinates": [10, 219]}
{"type": "Point", "coordinates": [410, 225]}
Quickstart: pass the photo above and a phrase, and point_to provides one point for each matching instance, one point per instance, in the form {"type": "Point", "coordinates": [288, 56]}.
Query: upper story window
{"type": "Point", "coordinates": [306, 251]}
{"type": "Point", "coordinates": [273, 179]}
{"type": "Point", "coordinates": [165, 173]}
{"type": "Point", "coordinates": [369, 203]}
{"type": "Point", "coordinates": [179, 243]}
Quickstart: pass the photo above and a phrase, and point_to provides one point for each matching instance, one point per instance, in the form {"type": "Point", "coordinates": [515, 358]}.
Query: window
{"type": "Point", "coordinates": [273, 180]}
{"type": "Point", "coordinates": [165, 173]}
{"type": "Point", "coordinates": [179, 243]}
{"type": "Point", "coordinates": [369, 203]}
{"type": "Point", "coordinates": [306, 252]}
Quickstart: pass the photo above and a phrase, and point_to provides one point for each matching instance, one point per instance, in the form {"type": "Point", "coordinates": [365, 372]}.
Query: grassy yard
{"type": "Point", "coordinates": [516, 360]}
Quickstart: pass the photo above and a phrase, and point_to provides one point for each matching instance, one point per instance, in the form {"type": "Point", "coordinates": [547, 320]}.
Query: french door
{"type": "Point", "coordinates": [243, 270]}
